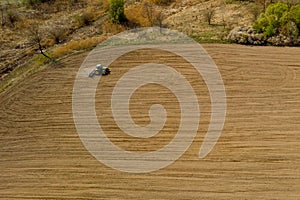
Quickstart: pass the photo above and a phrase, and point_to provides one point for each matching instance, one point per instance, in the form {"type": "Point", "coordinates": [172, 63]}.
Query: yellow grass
{"type": "Point", "coordinates": [111, 29]}
{"type": "Point", "coordinates": [76, 45]}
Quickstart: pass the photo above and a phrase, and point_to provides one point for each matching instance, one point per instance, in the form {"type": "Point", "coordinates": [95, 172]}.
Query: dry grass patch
{"type": "Point", "coordinates": [111, 29]}
{"type": "Point", "coordinates": [76, 45]}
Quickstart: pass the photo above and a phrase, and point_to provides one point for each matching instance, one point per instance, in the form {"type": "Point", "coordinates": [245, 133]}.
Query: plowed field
{"type": "Point", "coordinates": [256, 157]}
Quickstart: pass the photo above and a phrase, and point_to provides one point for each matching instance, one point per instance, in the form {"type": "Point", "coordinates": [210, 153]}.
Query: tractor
{"type": "Point", "coordinates": [99, 70]}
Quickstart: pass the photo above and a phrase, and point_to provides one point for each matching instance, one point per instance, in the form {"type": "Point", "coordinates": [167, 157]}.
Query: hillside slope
{"type": "Point", "coordinates": [64, 27]}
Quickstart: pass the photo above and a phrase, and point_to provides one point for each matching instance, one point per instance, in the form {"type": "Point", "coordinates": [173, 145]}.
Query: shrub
{"type": "Point", "coordinates": [57, 34]}
{"type": "Point", "coordinates": [84, 19]}
{"type": "Point", "coordinates": [134, 13]}
{"type": "Point", "coordinates": [162, 2]}
{"type": "Point", "coordinates": [117, 11]}
{"type": "Point", "coordinates": [12, 17]}
{"type": "Point", "coordinates": [35, 2]}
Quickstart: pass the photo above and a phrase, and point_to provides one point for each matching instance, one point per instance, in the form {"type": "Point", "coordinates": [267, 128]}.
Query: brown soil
{"type": "Point", "coordinates": [256, 157]}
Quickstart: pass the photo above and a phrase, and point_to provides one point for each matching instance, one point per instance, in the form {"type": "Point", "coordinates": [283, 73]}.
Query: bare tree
{"type": "Point", "coordinates": [223, 11]}
{"type": "Point", "coordinates": [36, 38]}
{"type": "Point", "coordinates": [209, 14]}
{"type": "Point", "coordinates": [264, 3]}
{"type": "Point", "coordinates": [3, 10]}
{"type": "Point", "coordinates": [255, 11]}
{"type": "Point", "coordinates": [159, 17]}
{"type": "Point", "coordinates": [153, 13]}
{"type": "Point", "coordinates": [149, 12]}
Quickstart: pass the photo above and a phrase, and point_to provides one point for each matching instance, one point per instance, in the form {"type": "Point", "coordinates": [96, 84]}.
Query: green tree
{"type": "Point", "coordinates": [295, 14]}
{"type": "Point", "coordinates": [117, 11]}
{"type": "Point", "coordinates": [279, 18]}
